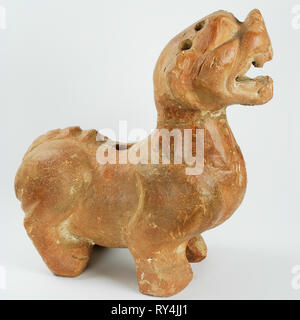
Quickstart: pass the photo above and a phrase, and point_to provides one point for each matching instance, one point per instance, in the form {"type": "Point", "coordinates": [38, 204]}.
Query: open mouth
{"type": "Point", "coordinates": [257, 61]}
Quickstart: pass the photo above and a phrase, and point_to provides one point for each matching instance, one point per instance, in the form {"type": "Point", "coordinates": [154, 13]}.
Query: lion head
{"type": "Point", "coordinates": [204, 67]}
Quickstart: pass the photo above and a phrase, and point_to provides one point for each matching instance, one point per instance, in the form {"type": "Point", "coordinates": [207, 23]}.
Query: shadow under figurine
{"type": "Point", "coordinates": [157, 211]}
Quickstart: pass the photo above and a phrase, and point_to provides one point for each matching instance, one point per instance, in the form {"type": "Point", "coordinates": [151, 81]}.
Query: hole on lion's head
{"type": "Point", "coordinates": [186, 44]}
{"type": "Point", "coordinates": [199, 25]}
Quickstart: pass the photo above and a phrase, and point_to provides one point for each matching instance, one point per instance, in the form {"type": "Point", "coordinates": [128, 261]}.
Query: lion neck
{"type": "Point", "coordinates": [171, 115]}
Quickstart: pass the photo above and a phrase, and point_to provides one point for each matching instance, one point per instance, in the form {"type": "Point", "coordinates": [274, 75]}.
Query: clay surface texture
{"type": "Point", "coordinates": [157, 211]}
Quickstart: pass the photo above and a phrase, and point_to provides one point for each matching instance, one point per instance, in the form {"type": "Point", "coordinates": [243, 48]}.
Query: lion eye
{"type": "Point", "coordinates": [186, 44]}
{"type": "Point", "coordinates": [199, 25]}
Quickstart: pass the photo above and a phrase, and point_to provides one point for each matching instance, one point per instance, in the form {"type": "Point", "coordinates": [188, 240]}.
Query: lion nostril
{"type": "Point", "coordinates": [199, 25]}
{"type": "Point", "coordinates": [186, 44]}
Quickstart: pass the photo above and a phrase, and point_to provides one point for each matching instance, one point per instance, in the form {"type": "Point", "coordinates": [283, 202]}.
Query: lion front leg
{"type": "Point", "coordinates": [161, 272]}
{"type": "Point", "coordinates": [196, 249]}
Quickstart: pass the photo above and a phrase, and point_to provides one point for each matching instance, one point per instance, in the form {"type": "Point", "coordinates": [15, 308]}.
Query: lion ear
{"type": "Point", "coordinates": [216, 30]}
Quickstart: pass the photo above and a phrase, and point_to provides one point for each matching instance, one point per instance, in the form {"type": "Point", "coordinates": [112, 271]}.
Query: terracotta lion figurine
{"type": "Point", "coordinates": [157, 211]}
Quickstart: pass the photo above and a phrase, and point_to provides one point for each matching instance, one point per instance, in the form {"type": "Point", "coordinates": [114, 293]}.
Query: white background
{"type": "Point", "coordinates": [90, 63]}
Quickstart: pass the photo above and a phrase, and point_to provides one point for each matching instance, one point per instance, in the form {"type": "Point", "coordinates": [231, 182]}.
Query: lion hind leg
{"type": "Point", "coordinates": [51, 183]}
{"type": "Point", "coordinates": [63, 253]}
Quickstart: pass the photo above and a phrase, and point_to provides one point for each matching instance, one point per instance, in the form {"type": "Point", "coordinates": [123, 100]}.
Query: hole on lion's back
{"type": "Point", "coordinates": [120, 147]}
{"type": "Point", "coordinates": [123, 146]}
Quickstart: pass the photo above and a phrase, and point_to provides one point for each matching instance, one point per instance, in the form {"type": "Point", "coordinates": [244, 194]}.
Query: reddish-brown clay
{"type": "Point", "coordinates": [157, 211]}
